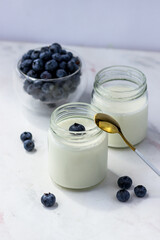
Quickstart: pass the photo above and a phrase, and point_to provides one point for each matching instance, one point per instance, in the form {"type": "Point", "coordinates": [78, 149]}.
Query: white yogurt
{"type": "Point", "coordinates": [77, 161]}
{"type": "Point", "coordinates": [132, 115]}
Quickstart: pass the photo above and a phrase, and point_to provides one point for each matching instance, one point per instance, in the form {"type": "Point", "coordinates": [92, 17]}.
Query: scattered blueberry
{"type": "Point", "coordinates": [37, 65]}
{"type": "Point", "coordinates": [35, 54]}
{"type": "Point", "coordinates": [140, 191]}
{"type": "Point", "coordinates": [124, 182]}
{"type": "Point", "coordinates": [51, 65]}
{"type": "Point", "coordinates": [48, 199]}
{"type": "Point", "coordinates": [25, 136]}
{"type": "Point", "coordinates": [76, 127]}
{"type": "Point", "coordinates": [123, 195]}
{"type": "Point", "coordinates": [61, 73]}
{"type": "Point", "coordinates": [46, 75]}
{"type": "Point", "coordinates": [32, 73]}
{"type": "Point", "coordinates": [28, 145]}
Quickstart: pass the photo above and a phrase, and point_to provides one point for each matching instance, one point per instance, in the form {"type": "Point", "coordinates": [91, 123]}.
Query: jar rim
{"type": "Point", "coordinates": [71, 134]}
{"type": "Point", "coordinates": [134, 92]}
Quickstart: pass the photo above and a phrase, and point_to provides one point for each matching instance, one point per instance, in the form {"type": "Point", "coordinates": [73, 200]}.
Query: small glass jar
{"type": "Point", "coordinates": [76, 159]}
{"type": "Point", "coordinates": [121, 92]}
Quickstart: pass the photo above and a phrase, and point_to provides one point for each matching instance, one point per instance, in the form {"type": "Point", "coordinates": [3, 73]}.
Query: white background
{"type": "Point", "coordinates": [131, 24]}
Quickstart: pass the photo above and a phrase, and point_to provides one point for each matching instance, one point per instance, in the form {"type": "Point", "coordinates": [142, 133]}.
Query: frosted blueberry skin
{"type": "Point", "coordinates": [123, 195]}
{"type": "Point", "coordinates": [124, 182]}
{"type": "Point", "coordinates": [48, 199]}
{"type": "Point", "coordinates": [140, 191]}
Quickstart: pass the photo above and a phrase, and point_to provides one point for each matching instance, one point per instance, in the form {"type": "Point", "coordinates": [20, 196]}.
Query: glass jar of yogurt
{"type": "Point", "coordinates": [76, 159]}
{"type": "Point", "coordinates": [121, 92]}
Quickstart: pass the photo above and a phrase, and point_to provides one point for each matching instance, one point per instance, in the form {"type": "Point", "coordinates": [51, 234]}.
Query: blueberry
{"type": "Point", "coordinates": [32, 73]}
{"type": "Point", "coordinates": [61, 73]}
{"type": "Point", "coordinates": [57, 57]}
{"type": "Point", "coordinates": [123, 195]}
{"type": "Point", "coordinates": [25, 56]}
{"type": "Point", "coordinates": [47, 88]}
{"type": "Point", "coordinates": [35, 54]}
{"type": "Point", "coordinates": [30, 52]}
{"type": "Point", "coordinates": [72, 66]}
{"type": "Point", "coordinates": [51, 65]}
{"type": "Point", "coordinates": [28, 145]}
{"type": "Point", "coordinates": [70, 54]}
{"type": "Point", "coordinates": [140, 191]}
{"type": "Point", "coordinates": [48, 199]}
{"type": "Point", "coordinates": [38, 84]}
{"type": "Point", "coordinates": [76, 127]}
{"type": "Point", "coordinates": [26, 63]}
{"type": "Point", "coordinates": [27, 82]}
{"type": "Point", "coordinates": [43, 49]}
{"type": "Point", "coordinates": [63, 51]}
{"type": "Point", "coordinates": [37, 65]}
{"type": "Point", "coordinates": [55, 48]}
{"type": "Point", "coordinates": [124, 182]}
{"type": "Point", "coordinates": [65, 57]}
{"type": "Point", "coordinates": [31, 89]}
{"type": "Point", "coordinates": [42, 97]}
{"type": "Point", "coordinates": [45, 56]}
{"type": "Point", "coordinates": [58, 93]}
{"type": "Point", "coordinates": [63, 65]}
{"type": "Point", "coordinates": [76, 60]}
{"type": "Point", "coordinates": [25, 69]}
{"type": "Point", "coordinates": [46, 75]}
{"type": "Point", "coordinates": [25, 136]}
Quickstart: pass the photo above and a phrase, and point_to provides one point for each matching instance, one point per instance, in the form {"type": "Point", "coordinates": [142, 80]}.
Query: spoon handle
{"type": "Point", "coordinates": [147, 162]}
{"type": "Point", "coordinates": [140, 155]}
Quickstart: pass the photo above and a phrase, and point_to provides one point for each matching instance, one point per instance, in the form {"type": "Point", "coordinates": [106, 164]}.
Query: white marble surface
{"type": "Point", "coordinates": [88, 214]}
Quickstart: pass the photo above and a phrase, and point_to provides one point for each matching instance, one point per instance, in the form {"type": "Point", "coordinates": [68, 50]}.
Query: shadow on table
{"type": "Point", "coordinates": [100, 197]}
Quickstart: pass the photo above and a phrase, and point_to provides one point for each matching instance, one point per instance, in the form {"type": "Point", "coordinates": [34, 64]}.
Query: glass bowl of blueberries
{"type": "Point", "coordinates": [50, 76]}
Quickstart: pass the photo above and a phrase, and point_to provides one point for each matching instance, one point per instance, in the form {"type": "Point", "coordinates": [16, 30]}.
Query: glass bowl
{"type": "Point", "coordinates": [44, 95]}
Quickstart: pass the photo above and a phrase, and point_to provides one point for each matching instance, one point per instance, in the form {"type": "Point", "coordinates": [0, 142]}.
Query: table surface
{"type": "Point", "coordinates": [86, 214]}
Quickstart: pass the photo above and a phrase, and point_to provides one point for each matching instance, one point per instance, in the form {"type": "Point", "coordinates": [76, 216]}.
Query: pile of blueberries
{"type": "Point", "coordinates": [125, 183]}
{"type": "Point", "coordinates": [50, 62]}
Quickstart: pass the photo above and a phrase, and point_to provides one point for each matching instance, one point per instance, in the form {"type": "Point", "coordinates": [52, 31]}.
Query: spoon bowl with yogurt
{"type": "Point", "coordinates": [110, 125]}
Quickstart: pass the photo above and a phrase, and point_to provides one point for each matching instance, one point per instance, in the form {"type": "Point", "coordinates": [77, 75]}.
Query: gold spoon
{"type": "Point", "coordinates": [110, 125]}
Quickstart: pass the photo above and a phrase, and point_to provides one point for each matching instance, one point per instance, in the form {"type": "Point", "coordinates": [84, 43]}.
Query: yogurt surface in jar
{"type": "Point", "coordinates": [123, 95]}
{"type": "Point", "coordinates": [77, 159]}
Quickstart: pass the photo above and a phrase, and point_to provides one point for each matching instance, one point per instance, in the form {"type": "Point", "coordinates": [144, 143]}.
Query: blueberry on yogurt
{"type": "Point", "coordinates": [76, 127]}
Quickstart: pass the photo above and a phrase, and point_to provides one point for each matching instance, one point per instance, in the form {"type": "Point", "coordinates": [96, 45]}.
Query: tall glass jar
{"type": "Point", "coordinates": [76, 159]}
{"type": "Point", "coordinates": [121, 92]}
